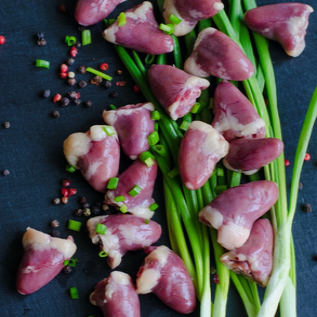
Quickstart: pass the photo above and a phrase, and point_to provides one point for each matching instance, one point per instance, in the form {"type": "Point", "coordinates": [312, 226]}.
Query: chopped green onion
{"type": "Point", "coordinates": [121, 19]}
{"type": "Point", "coordinates": [167, 28]}
{"type": "Point", "coordinates": [65, 262]}
{"type": "Point", "coordinates": [147, 158]}
{"type": "Point", "coordinates": [74, 225]}
{"type": "Point", "coordinates": [220, 172]}
{"type": "Point", "coordinates": [146, 221]}
{"type": "Point", "coordinates": [153, 138]}
{"type": "Point", "coordinates": [70, 40]}
{"type": "Point", "coordinates": [185, 125]}
{"type": "Point", "coordinates": [149, 59]}
{"type": "Point", "coordinates": [174, 19]}
{"type": "Point", "coordinates": [113, 183]}
{"type": "Point", "coordinates": [123, 208]}
{"type": "Point", "coordinates": [119, 198]}
{"type": "Point", "coordinates": [111, 21]}
{"type": "Point", "coordinates": [102, 254]}
{"type": "Point", "coordinates": [156, 126]}
{"type": "Point", "coordinates": [106, 22]}
{"type": "Point", "coordinates": [113, 107]}
{"type": "Point", "coordinates": [155, 115]}
{"type": "Point", "coordinates": [70, 168]}
{"type": "Point", "coordinates": [174, 172]}
{"type": "Point", "coordinates": [109, 131]}
{"type": "Point", "coordinates": [135, 191]}
{"type": "Point", "coordinates": [101, 228]}
{"type": "Point", "coordinates": [188, 117]}
{"type": "Point", "coordinates": [154, 206]}
{"type": "Point", "coordinates": [42, 63]}
{"type": "Point", "coordinates": [159, 149]}
{"type": "Point", "coordinates": [72, 262]}
{"type": "Point", "coordinates": [195, 108]}
{"type": "Point", "coordinates": [73, 293]}
{"type": "Point", "coordinates": [98, 73]}
{"type": "Point", "coordinates": [85, 37]}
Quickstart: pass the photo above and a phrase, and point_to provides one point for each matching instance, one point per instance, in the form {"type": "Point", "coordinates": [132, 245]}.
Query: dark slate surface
{"type": "Point", "coordinates": [31, 149]}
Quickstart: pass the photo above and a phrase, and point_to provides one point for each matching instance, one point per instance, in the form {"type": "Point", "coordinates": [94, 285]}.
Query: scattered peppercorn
{"type": "Point", "coordinates": [121, 83]}
{"type": "Point", "coordinates": [216, 279]}
{"type": "Point", "coordinates": [105, 207]}
{"type": "Point", "coordinates": [82, 70]}
{"type": "Point", "coordinates": [2, 39]}
{"type": "Point", "coordinates": [78, 212]}
{"type": "Point", "coordinates": [46, 93]}
{"type": "Point", "coordinates": [63, 75]}
{"type": "Point", "coordinates": [114, 94]}
{"type": "Point", "coordinates": [77, 95]}
{"type": "Point", "coordinates": [64, 200]}
{"type": "Point", "coordinates": [307, 157]}
{"type": "Point", "coordinates": [88, 103]}
{"type": "Point", "coordinates": [57, 97]}
{"type": "Point", "coordinates": [6, 125]}
{"type": "Point", "coordinates": [72, 191]}
{"type": "Point", "coordinates": [5, 172]}
{"type": "Point", "coordinates": [64, 68]}
{"type": "Point", "coordinates": [72, 94]}
{"type": "Point", "coordinates": [307, 208]}
{"type": "Point", "coordinates": [104, 66]}
{"type": "Point", "coordinates": [119, 72]}
{"type": "Point", "coordinates": [56, 201]}
{"type": "Point", "coordinates": [64, 192]}
{"type": "Point", "coordinates": [55, 224]}
{"type": "Point", "coordinates": [71, 75]}
{"type": "Point", "coordinates": [77, 44]}
{"type": "Point", "coordinates": [41, 42]}
{"type": "Point", "coordinates": [56, 234]}
{"type": "Point", "coordinates": [65, 101]}
{"type": "Point", "coordinates": [73, 51]}
{"type": "Point", "coordinates": [55, 114]}
{"type": "Point", "coordinates": [66, 182]}
{"type": "Point", "coordinates": [96, 80]}
{"type": "Point", "coordinates": [70, 61]}
{"type": "Point", "coordinates": [136, 88]}
{"type": "Point", "coordinates": [82, 199]}
{"type": "Point", "coordinates": [67, 269]}
{"type": "Point", "coordinates": [71, 81]}
{"type": "Point", "coordinates": [82, 84]}
{"type": "Point", "coordinates": [77, 102]}
{"type": "Point", "coordinates": [85, 204]}
{"type": "Point", "coordinates": [107, 84]}
{"type": "Point", "coordinates": [87, 212]}
{"type": "Point", "coordinates": [300, 186]}
{"type": "Point", "coordinates": [62, 8]}
{"type": "Point", "coordinates": [287, 162]}
{"type": "Point", "coordinates": [40, 35]}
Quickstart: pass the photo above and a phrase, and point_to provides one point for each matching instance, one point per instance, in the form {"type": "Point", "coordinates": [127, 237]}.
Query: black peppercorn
{"type": "Point", "coordinates": [6, 125]}
{"type": "Point", "coordinates": [55, 114]}
{"type": "Point", "coordinates": [71, 81]}
{"type": "Point", "coordinates": [307, 208]}
{"type": "Point", "coordinates": [77, 102]}
{"type": "Point", "coordinates": [77, 44]}
{"type": "Point", "coordinates": [82, 199]}
{"type": "Point", "coordinates": [46, 93]}
{"type": "Point", "coordinates": [41, 42]}
{"type": "Point", "coordinates": [114, 94]}
{"type": "Point", "coordinates": [70, 61]}
{"type": "Point", "coordinates": [88, 103]}
{"type": "Point", "coordinates": [64, 102]}
{"type": "Point", "coordinates": [82, 84]}
{"type": "Point", "coordinates": [78, 212]}
{"type": "Point", "coordinates": [82, 70]}
{"type": "Point", "coordinates": [67, 269]}
{"type": "Point", "coordinates": [107, 84]}
{"type": "Point", "coordinates": [85, 204]}
{"type": "Point", "coordinates": [5, 172]}
{"type": "Point", "coordinates": [300, 186]}
{"type": "Point", "coordinates": [40, 35]}
{"type": "Point", "coordinates": [96, 80]}
{"type": "Point", "coordinates": [55, 224]}
{"type": "Point", "coordinates": [56, 234]}
{"type": "Point", "coordinates": [72, 94]}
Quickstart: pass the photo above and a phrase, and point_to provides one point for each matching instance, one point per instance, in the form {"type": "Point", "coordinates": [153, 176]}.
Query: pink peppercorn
{"type": "Point", "coordinates": [287, 162]}
{"type": "Point", "coordinates": [307, 157]}
{"type": "Point", "coordinates": [2, 39]}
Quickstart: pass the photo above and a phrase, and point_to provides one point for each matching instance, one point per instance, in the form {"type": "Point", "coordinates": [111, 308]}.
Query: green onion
{"type": "Point", "coordinates": [112, 107]}
{"type": "Point", "coordinates": [73, 293]}
{"type": "Point", "coordinates": [174, 19]}
{"type": "Point", "coordinates": [147, 158]}
{"type": "Point", "coordinates": [102, 254]}
{"type": "Point", "coordinates": [177, 53]}
{"type": "Point", "coordinates": [98, 73]}
{"type": "Point", "coordinates": [121, 19]}
{"type": "Point", "coordinates": [153, 207]}
{"type": "Point", "coordinates": [174, 172]}
{"type": "Point", "coordinates": [85, 37]}
{"type": "Point", "coordinates": [70, 40]}
{"type": "Point", "coordinates": [113, 183]}
{"type": "Point", "coordinates": [70, 168]}
{"type": "Point", "coordinates": [111, 21]}
{"type": "Point", "coordinates": [221, 188]}
{"type": "Point", "coordinates": [156, 126]}
{"type": "Point", "coordinates": [149, 59]}
{"type": "Point", "coordinates": [119, 198]}
{"type": "Point", "coordinates": [135, 190]}
{"type": "Point", "coordinates": [153, 138]}
{"type": "Point", "coordinates": [42, 63]}
{"type": "Point", "coordinates": [72, 262]}
{"type": "Point", "coordinates": [105, 21]}
{"type": "Point", "coordinates": [109, 131]}
{"type": "Point", "coordinates": [74, 225]}
{"type": "Point", "coordinates": [147, 221]}
{"type": "Point", "coordinates": [155, 115]}
{"type": "Point", "coordinates": [167, 28]}
{"type": "Point", "coordinates": [159, 149]}
{"type": "Point", "coordinates": [184, 125]}
{"type": "Point", "coordinates": [123, 208]}
{"type": "Point", "coordinates": [65, 262]}
{"type": "Point", "coordinates": [195, 107]}
{"type": "Point", "coordinates": [101, 228]}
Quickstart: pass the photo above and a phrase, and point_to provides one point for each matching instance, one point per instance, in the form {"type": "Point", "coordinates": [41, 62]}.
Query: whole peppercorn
{"type": "Point", "coordinates": [77, 44]}
{"type": "Point", "coordinates": [307, 208]}
{"type": "Point", "coordinates": [57, 98]}
{"type": "Point", "coordinates": [64, 68]}
{"type": "Point", "coordinates": [55, 114]}
{"type": "Point", "coordinates": [78, 212]}
{"type": "Point", "coordinates": [56, 234]}
{"type": "Point", "coordinates": [62, 8]}
{"type": "Point", "coordinates": [114, 94]}
{"type": "Point", "coordinates": [82, 70]}
{"type": "Point", "coordinates": [63, 75]}
{"type": "Point", "coordinates": [71, 81]}
{"type": "Point", "coordinates": [56, 201]}
{"type": "Point", "coordinates": [5, 172]}
{"type": "Point", "coordinates": [77, 102]}
{"type": "Point", "coordinates": [6, 125]}
{"type": "Point", "coordinates": [82, 84]}
{"type": "Point", "coordinates": [67, 269]}
{"type": "Point", "coordinates": [88, 103]}
{"type": "Point", "coordinates": [96, 80]}
{"type": "Point", "coordinates": [107, 84]}
{"type": "Point", "coordinates": [136, 88]}
{"type": "Point", "coordinates": [40, 35]}
{"type": "Point", "coordinates": [41, 42]}
{"type": "Point", "coordinates": [300, 186]}
{"type": "Point", "coordinates": [72, 94]}
{"type": "Point", "coordinates": [64, 200]}
{"type": "Point", "coordinates": [70, 61]}
{"type": "Point", "coordinates": [71, 75]}
{"type": "Point", "coordinates": [87, 212]}
{"type": "Point", "coordinates": [119, 72]}
{"type": "Point", "coordinates": [85, 204]}
{"type": "Point", "coordinates": [65, 101]}
{"type": "Point", "coordinates": [2, 39]}
{"type": "Point", "coordinates": [55, 224]}
{"type": "Point", "coordinates": [82, 200]}
{"type": "Point", "coordinates": [105, 207]}
{"type": "Point", "coordinates": [46, 93]}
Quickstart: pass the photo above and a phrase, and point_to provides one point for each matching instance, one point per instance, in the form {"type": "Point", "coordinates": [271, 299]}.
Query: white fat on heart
{"type": "Point", "coordinates": [229, 167]}
{"type": "Point", "coordinates": [142, 212]}
{"type": "Point", "coordinates": [40, 241]}
{"type": "Point", "coordinates": [231, 122]}
{"type": "Point", "coordinates": [193, 68]}
{"type": "Point", "coordinates": [181, 28]}
{"type": "Point", "coordinates": [232, 236]}
{"type": "Point", "coordinates": [97, 133]}
{"type": "Point", "coordinates": [115, 280]}
{"type": "Point", "coordinates": [191, 82]}
{"type": "Point", "coordinates": [214, 143]}
{"type": "Point", "coordinates": [213, 216]}
{"type": "Point", "coordinates": [150, 277]}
